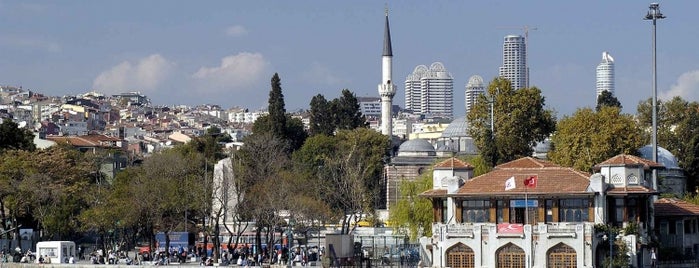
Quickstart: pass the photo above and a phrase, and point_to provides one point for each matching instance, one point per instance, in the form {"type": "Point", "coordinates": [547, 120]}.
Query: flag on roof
{"type": "Point", "coordinates": [531, 181]}
{"type": "Point", "coordinates": [510, 183]}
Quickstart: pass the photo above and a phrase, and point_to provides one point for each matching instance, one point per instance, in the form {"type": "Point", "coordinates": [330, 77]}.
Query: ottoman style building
{"type": "Point", "coordinates": [534, 213]}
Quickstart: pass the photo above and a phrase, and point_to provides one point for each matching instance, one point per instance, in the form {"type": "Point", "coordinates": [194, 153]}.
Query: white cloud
{"type": "Point", "coordinates": [236, 31]}
{"type": "Point", "coordinates": [145, 75]}
{"type": "Point", "coordinates": [321, 74]}
{"type": "Point", "coordinates": [687, 87]}
{"type": "Point", "coordinates": [236, 72]}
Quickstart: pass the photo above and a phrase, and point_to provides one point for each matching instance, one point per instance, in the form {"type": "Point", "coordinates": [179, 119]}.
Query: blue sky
{"type": "Point", "coordinates": [225, 52]}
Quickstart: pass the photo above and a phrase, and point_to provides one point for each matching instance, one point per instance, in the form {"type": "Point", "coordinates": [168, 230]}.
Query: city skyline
{"type": "Point", "coordinates": [220, 52]}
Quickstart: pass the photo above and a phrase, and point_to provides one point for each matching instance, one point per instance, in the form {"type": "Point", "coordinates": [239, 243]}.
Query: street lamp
{"type": "Point", "coordinates": [654, 15]}
{"type": "Point", "coordinates": [611, 239]}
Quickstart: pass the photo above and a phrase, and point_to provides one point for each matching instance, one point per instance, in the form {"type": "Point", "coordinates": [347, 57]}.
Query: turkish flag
{"type": "Point", "coordinates": [531, 181]}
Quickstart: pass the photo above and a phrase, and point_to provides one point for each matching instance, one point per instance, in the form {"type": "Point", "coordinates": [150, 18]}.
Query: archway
{"type": "Point", "coordinates": [511, 256]}
{"type": "Point", "coordinates": [562, 256]}
{"type": "Point", "coordinates": [460, 256]}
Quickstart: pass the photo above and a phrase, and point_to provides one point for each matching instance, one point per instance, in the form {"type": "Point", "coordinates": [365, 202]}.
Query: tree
{"type": "Point", "coordinates": [321, 116]}
{"type": "Point", "coordinates": [277, 112]}
{"type": "Point", "coordinates": [588, 137]}
{"type": "Point", "coordinates": [678, 132]}
{"type": "Point", "coordinates": [520, 121]}
{"type": "Point", "coordinates": [346, 111]}
{"type": "Point", "coordinates": [354, 170]}
{"type": "Point", "coordinates": [412, 212]}
{"type": "Point", "coordinates": [12, 137]}
{"type": "Point", "coordinates": [607, 99]}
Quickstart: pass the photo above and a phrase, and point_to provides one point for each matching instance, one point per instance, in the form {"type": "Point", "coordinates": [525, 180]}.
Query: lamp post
{"type": "Point", "coordinates": [654, 15]}
{"type": "Point", "coordinates": [610, 238]}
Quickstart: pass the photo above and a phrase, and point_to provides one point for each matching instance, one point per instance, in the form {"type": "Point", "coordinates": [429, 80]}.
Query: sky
{"type": "Point", "coordinates": [225, 52]}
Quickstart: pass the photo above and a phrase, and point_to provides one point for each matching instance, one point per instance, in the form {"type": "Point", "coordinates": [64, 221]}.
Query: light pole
{"type": "Point", "coordinates": [654, 15]}
{"type": "Point", "coordinates": [610, 238]}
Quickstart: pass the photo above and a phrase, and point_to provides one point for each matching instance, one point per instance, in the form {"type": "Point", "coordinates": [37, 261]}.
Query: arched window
{"type": "Point", "coordinates": [460, 256]}
{"type": "Point", "coordinates": [562, 256]}
{"type": "Point", "coordinates": [511, 256]}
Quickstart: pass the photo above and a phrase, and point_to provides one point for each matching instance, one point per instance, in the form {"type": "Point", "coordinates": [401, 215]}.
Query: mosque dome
{"type": "Point", "coordinates": [665, 157]}
{"type": "Point", "coordinates": [416, 147]}
{"type": "Point", "coordinates": [457, 128]}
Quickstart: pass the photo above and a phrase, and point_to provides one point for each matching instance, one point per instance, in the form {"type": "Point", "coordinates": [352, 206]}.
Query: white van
{"type": "Point", "coordinates": [58, 251]}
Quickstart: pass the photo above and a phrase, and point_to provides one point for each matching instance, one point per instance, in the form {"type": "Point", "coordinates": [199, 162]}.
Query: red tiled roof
{"type": "Point", "coordinates": [552, 179]}
{"type": "Point", "coordinates": [527, 162]}
{"type": "Point", "coordinates": [675, 207]}
{"type": "Point", "coordinates": [453, 163]}
{"type": "Point", "coordinates": [628, 160]}
{"type": "Point", "coordinates": [630, 190]}
{"type": "Point", "coordinates": [83, 141]}
{"type": "Point", "coordinates": [434, 192]}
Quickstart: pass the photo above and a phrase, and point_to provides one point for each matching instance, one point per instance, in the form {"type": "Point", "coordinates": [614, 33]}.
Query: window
{"type": "Point", "coordinates": [632, 206]}
{"type": "Point", "coordinates": [672, 228]}
{"type": "Point", "coordinates": [688, 226]}
{"type": "Point", "coordinates": [664, 227]}
{"type": "Point", "coordinates": [475, 211]}
{"type": "Point", "coordinates": [549, 210]}
{"type": "Point", "coordinates": [500, 211]}
{"type": "Point", "coordinates": [573, 210]}
{"type": "Point", "coordinates": [619, 210]}
{"type": "Point", "coordinates": [444, 210]}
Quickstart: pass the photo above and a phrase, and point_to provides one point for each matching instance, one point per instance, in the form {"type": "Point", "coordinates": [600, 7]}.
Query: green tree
{"type": "Point", "coordinates": [520, 121]}
{"type": "Point", "coordinates": [412, 212]}
{"type": "Point", "coordinates": [321, 116]}
{"type": "Point", "coordinates": [12, 137]}
{"type": "Point", "coordinates": [588, 137]}
{"type": "Point", "coordinates": [346, 111]}
{"type": "Point", "coordinates": [277, 112]}
{"type": "Point", "coordinates": [678, 132]}
{"type": "Point", "coordinates": [607, 99]}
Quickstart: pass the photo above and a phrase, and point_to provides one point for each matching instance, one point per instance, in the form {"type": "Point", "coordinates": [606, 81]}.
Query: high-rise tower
{"type": "Point", "coordinates": [430, 91]}
{"type": "Point", "coordinates": [387, 89]}
{"type": "Point", "coordinates": [474, 88]}
{"type": "Point", "coordinates": [514, 61]}
{"type": "Point", "coordinates": [605, 74]}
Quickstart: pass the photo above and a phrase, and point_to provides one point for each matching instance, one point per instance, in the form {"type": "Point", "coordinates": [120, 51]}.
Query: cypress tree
{"type": "Point", "coordinates": [277, 112]}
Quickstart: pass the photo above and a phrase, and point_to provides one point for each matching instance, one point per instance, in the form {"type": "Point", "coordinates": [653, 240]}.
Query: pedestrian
{"type": "Point", "coordinates": [653, 258]}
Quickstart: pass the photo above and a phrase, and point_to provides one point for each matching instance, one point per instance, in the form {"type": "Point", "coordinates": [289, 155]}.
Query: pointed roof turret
{"type": "Point", "coordinates": [387, 51]}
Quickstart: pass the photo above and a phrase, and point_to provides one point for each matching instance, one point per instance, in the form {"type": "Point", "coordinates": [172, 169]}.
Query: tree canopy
{"type": "Point", "coordinates": [520, 121]}
{"type": "Point", "coordinates": [341, 113]}
{"type": "Point", "coordinates": [678, 132]}
{"type": "Point", "coordinates": [607, 99]}
{"type": "Point", "coordinates": [12, 137]}
{"type": "Point", "coordinates": [588, 137]}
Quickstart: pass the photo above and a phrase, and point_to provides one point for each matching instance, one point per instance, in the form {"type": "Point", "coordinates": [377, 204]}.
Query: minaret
{"type": "Point", "coordinates": [387, 89]}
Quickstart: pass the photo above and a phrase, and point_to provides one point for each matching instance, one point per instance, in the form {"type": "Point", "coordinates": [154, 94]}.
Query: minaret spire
{"type": "Point", "coordinates": [387, 89]}
{"type": "Point", "coordinates": [387, 51]}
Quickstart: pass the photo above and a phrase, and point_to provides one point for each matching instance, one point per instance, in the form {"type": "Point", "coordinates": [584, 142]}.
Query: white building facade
{"type": "Point", "coordinates": [564, 218]}
{"type": "Point", "coordinates": [605, 74]}
{"type": "Point", "coordinates": [430, 91]}
{"type": "Point", "coordinates": [514, 61]}
{"type": "Point", "coordinates": [474, 88]}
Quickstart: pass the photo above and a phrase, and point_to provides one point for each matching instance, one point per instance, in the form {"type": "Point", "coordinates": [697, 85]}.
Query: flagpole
{"type": "Point", "coordinates": [526, 203]}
